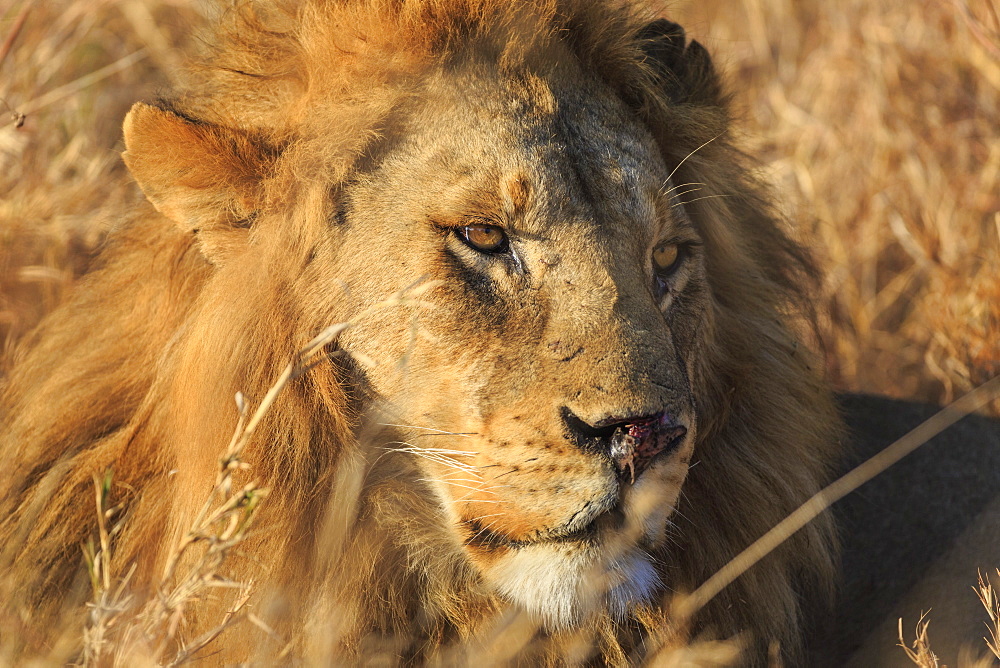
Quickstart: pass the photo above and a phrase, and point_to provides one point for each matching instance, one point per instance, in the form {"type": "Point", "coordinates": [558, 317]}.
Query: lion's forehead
{"type": "Point", "coordinates": [585, 158]}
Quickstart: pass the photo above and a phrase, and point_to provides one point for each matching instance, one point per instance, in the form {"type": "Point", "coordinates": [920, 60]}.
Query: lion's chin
{"type": "Point", "coordinates": [564, 584]}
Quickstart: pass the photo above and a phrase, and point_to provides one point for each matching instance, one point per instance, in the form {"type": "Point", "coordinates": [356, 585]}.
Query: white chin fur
{"type": "Point", "coordinates": [562, 585]}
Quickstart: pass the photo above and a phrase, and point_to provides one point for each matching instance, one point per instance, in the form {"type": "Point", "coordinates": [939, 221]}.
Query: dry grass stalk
{"type": "Point", "coordinates": [15, 30]}
{"type": "Point", "coordinates": [108, 604]}
{"type": "Point", "coordinates": [701, 654]}
{"type": "Point", "coordinates": [920, 652]}
{"type": "Point", "coordinates": [74, 87]}
{"type": "Point", "coordinates": [151, 632]}
{"type": "Point", "coordinates": [986, 28]}
{"type": "Point", "coordinates": [990, 601]}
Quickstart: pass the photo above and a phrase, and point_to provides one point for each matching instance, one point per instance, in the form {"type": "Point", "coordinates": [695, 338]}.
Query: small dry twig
{"type": "Point", "coordinates": [920, 653]}
{"type": "Point", "coordinates": [76, 86]}
{"type": "Point", "coordinates": [992, 604]}
{"type": "Point", "coordinates": [107, 605]}
{"type": "Point", "coordinates": [8, 43]}
{"type": "Point", "coordinates": [989, 39]}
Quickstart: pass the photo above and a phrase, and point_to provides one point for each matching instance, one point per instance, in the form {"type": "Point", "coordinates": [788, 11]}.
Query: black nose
{"type": "Point", "coordinates": [632, 442]}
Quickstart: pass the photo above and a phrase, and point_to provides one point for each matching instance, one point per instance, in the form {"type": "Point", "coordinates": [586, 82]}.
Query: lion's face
{"type": "Point", "coordinates": [545, 387]}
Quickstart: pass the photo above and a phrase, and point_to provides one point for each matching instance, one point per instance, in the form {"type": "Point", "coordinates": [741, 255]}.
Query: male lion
{"type": "Point", "coordinates": [598, 399]}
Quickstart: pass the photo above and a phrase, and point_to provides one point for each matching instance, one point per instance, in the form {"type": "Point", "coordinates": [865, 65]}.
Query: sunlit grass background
{"type": "Point", "coordinates": [878, 123]}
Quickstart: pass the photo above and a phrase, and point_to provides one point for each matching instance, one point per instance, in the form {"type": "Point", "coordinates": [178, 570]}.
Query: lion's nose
{"type": "Point", "coordinates": [632, 443]}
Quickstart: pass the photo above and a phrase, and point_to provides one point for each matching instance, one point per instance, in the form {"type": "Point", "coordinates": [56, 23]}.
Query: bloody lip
{"type": "Point", "coordinates": [635, 445]}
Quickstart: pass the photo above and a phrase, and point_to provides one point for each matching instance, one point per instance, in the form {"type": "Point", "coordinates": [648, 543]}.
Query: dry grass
{"type": "Point", "coordinates": [988, 598]}
{"type": "Point", "coordinates": [72, 70]}
{"type": "Point", "coordinates": [921, 654]}
{"type": "Point", "coordinates": [122, 631]}
{"type": "Point", "coordinates": [877, 122]}
{"type": "Point", "coordinates": [919, 651]}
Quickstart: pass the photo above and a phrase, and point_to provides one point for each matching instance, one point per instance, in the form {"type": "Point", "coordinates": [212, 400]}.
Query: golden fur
{"type": "Point", "coordinates": [271, 175]}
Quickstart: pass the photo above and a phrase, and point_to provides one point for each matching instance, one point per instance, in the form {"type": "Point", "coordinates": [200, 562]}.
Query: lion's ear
{"type": "Point", "coordinates": [206, 178]}
{"type": "Point", "coordinates": [685, 67]}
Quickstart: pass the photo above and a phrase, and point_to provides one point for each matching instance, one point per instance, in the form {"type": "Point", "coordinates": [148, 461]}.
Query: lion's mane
{"type": "Point", "coordinates": [140, 365]}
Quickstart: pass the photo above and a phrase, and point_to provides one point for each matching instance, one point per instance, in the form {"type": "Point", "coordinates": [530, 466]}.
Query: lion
{"type": "Point", "coordinates": [601, 395]}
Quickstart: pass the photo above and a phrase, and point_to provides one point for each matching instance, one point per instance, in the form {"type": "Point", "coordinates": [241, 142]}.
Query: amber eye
{"type": "Point", "coordinates": [665, 257]}
{"type": "Point", "coordinates": [484, 238]}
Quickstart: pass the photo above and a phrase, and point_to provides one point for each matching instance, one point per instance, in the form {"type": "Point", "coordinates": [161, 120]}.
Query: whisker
{"type": "Point", "coordinates": [413, 426]}
{"type": "Point", "coordinates": [690, 154]}
{"type": "Point", "coordinates": [447, 478]}
{"type": "Point", "coordinates": [666, 193]}
{"type": "Point", "coordinates": [440, 459]}
{"type": "Point", "coordinates": [686, 192]}
{"type": "Point", "coordinates": [473, 489]}
{"type": "Point", "coordinates": [491, 490]}
{"type": "Point", "coordinates": [443, 451]}
{"type": "Point", "coordinates": [482, 529]}
{"type": "Point", "coordinates": [698, 199]}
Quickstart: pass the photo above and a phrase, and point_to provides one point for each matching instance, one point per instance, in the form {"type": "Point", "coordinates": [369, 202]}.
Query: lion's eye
{"type": "Point", "coordinates": [484, 238]}
{"type": "Point", "coordinates": [665, 257]}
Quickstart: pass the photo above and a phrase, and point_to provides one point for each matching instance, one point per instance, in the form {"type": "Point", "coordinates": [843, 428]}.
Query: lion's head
{"type": "Point", "coordinates": [548, 386]}
{"type": "Point", "coordinates": [606, 333]}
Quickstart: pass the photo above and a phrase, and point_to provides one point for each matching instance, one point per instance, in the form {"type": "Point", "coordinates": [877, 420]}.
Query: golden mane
{"type": "Point", "coordinates": [137, 370]}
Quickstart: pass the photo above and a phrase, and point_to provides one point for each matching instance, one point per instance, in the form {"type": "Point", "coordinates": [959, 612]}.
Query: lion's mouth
{"type": "Point", "coordinates": [633, 448]}
{"type": "Point", "coordinates": [485, 539]}
{"type": "Point", "coordinates": [636, 445]}
{"type": "Point", "coordinates": [632, 444]}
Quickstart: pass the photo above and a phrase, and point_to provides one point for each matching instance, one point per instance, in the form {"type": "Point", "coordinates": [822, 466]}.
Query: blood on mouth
{"type": "Point", "coordinates": [635, 445]}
